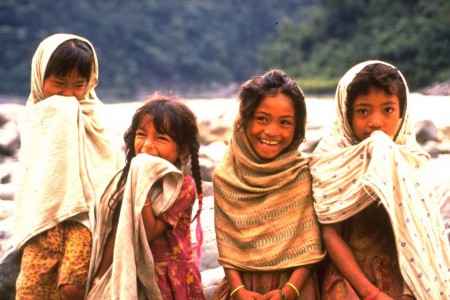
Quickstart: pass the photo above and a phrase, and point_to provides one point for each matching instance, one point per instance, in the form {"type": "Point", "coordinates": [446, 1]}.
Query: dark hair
{"type": "Point", "coordinates": [71, 56]}
{"type": "Point", "coordinates": [170, 117]}
{"type": "Point", "coordinates": [273, 82]}
{"type": "Point", "coordinates": [376, 76]}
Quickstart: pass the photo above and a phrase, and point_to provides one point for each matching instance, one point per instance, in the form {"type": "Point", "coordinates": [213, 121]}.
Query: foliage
{"type": "Point", "coordinates": [414, 35]}
{"type": "Point", "coordinates": [145, 45]}
{"type": "Point", "coordinates": [192, 47]}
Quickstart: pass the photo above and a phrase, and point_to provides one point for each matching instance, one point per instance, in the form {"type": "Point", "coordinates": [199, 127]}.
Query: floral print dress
{"type": "Point", "coordinates": [178, 275]}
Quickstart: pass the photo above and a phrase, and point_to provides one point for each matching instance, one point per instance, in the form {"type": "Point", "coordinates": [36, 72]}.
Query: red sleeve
{"type": "Point", "coordinates": [183, 205]}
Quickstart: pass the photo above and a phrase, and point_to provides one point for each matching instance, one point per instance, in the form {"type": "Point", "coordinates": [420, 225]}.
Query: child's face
{"type": "Point", "coordinates": [150, 141]}
{"type": "Point", "coordinates": [375, 111]}
{"type": "Point", "coordinates": [72, 85]}
{"type": "Point", "coordinates": [271, 130]}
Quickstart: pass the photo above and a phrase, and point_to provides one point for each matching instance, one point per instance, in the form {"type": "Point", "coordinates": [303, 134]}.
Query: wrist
{"type": "Point", "coordinates": [288, 293]}
{"type": "Point", "coordinates": [294, 288]}
{"type": "Point", "coordinates": [373, 294]}
{"type": "Point", "coordinates": [236, 289]}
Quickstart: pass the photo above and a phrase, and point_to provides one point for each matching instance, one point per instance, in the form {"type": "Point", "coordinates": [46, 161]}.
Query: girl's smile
{"type": "Point", "coordinates": [152, 142]}
{"type": "Point", "coordinates": [271, 129]}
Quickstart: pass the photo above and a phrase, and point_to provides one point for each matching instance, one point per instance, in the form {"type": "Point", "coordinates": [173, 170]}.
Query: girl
{"type": "Point", "coordinates": [162, 137]}
{"type": "Point", "coordinates": [267, 234]}
{"type": "Point", "coordinates": [66, 152]}
{"type": "Point", "coordinates": [381, 226]}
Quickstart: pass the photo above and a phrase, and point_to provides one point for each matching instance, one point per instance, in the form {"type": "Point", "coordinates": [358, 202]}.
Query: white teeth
{"type": "Point", "coordinates": [269, 142]}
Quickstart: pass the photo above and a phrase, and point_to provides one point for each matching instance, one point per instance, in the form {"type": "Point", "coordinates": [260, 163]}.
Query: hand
{"type": "Point", "coordinates": [244, 294]}
{"type": "Point", "coordinates": [275, 295]}
{"type": "Point", "coordinates": [382, 296]}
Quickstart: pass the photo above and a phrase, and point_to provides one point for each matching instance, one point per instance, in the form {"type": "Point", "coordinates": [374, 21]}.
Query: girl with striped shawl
{"type": "Point", "coordinates": [381, 225]}
{"type": "Point", "coordinates": [267, 234]}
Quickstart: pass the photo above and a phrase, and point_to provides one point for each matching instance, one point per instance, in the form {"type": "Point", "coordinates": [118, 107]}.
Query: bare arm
{"type": "Point", "coordinates": [342, 256]}
{"type": "Point", "coordinates": [297, 279]}
{"type": "Point", "coordinates": [153, 226]}
{"type": "Point", "coordinates": [234, 281]}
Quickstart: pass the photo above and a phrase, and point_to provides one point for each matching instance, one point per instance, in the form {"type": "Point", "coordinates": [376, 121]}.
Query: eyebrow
{"type": "Point", "coordinates": [368, 103]}
{"type": "Point", "coordinates": [269, 114]}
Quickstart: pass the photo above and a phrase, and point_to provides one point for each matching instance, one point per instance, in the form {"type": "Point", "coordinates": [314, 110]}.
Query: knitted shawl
{"type": "Point", "coordinates": [264, 216]}
{"type": "Point", "coordinates": [349, 175]}
{"type": "Point", "coordinates": [67, 153]}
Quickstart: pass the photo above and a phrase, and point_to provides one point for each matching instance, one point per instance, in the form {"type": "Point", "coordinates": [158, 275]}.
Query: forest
{"type": "Point", "coordinates": [205, 48]}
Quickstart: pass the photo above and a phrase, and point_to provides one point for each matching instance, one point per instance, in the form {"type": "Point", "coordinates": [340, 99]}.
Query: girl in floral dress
{"type": "Point", "coordinates": [162, 137]}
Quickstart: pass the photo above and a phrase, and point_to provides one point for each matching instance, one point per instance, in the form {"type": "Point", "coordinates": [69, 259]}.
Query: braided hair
{"type": "Point", "coordinates": [175, 119]}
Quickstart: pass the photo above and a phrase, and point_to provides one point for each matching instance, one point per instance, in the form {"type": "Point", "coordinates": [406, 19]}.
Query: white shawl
{"type": "Point", "coordinates": [66, 156]}
{"type": "Point", "coordinates": [349, 175]}
{"type": "Point", "coordinates": [131, 275]}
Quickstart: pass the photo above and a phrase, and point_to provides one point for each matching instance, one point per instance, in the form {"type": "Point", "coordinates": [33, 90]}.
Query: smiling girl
{"type": "Point", "coordinates": [267, 235]}
{"type": "Point", "coordinates": [162, 139]}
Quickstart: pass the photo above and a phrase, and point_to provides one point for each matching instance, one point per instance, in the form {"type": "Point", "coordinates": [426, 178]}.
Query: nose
{"type": "Point", "coordinates": [148, 145]}
{"type": "Point", "coordinates": [376, 121]}
{"type": "Point", "coordinates": [271, 129]}
{"type": "Point", "coordinates": [67, 92]}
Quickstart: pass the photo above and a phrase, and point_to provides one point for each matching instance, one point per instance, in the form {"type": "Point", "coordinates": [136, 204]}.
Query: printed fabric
{"type": "Point", "coordinates": [349, 175]}
{"type": "Point", "coordinates": [177, 273]}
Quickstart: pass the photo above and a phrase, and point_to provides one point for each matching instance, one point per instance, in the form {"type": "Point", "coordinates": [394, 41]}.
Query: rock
{"type": "Point", "coordinates": [209, 247]}
{"type": "Point", "coordinates": [435, 149]}
{"type": "Point", "coordinates": [439, 88]}
{"type": "Point", "coordinates": [207, 167]}
{"type": "Point", "coordinates": [9, 139]}
{"type": "Point", "coordinates": [211, 279]}
{"type": "Point", "coordinates": [444, 133]}
{"type": "Point", "coordinates": [426, 131]}
{"type": "Point", "coordinates": [210, 156]}
{"type": "Point", "coordinates": [6, 225]}
{"type": "Point", "coordinates": [7, 191]}
{"type": "Point", "coordinates": [432, 148]}
{"type": "Point", "coordinates": [9, 270]}
{"type": "Point", "coordinates": [207, 188]}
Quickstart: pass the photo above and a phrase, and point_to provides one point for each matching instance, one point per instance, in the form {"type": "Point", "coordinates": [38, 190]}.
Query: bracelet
{"type": "Point", "coordinates": [147, 203]}
{"type": "Point", "coordinates": [235, 290]}
{"type": "Point", "coordinates": [294, 288]}
{"type": "Point", "coordinates": [373, 295]}
{"type": "Point", "coordinates": [282, 294]}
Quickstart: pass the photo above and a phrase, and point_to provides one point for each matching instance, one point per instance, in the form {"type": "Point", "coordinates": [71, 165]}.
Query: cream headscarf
{"type": "Point", "coordinates": [67, 154]}
{"type": "Point", "coordinates": [349, 175]}
{"type": "Point", "coordinates": [264, 216]}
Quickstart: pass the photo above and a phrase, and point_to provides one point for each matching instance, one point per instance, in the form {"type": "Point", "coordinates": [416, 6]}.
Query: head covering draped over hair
{"type": "Point", "coordinates": [41, 59]}
{"type": "Point", "coordinates": [67, 153]}
{"type": "Point", "coordinates": [349, 175]}
{"type": "Point", "coordinates": [264, 216]}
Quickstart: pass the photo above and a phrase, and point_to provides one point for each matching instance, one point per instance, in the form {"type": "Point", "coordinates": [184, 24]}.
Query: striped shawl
{"type": "Point", "coordinates": [264, 217]}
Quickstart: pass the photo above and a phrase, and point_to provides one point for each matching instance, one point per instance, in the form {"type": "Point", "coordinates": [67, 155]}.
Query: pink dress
{"type": "Point", "coordinates": [178, 275]}
{"type": "Point", "coordinates": [370, 237]}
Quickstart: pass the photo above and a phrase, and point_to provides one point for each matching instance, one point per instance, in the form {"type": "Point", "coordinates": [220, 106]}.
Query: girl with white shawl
{"type": "Point", "coordinates": [66, 154]}
{"type": "Point", "coordinates": [380, 223]}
